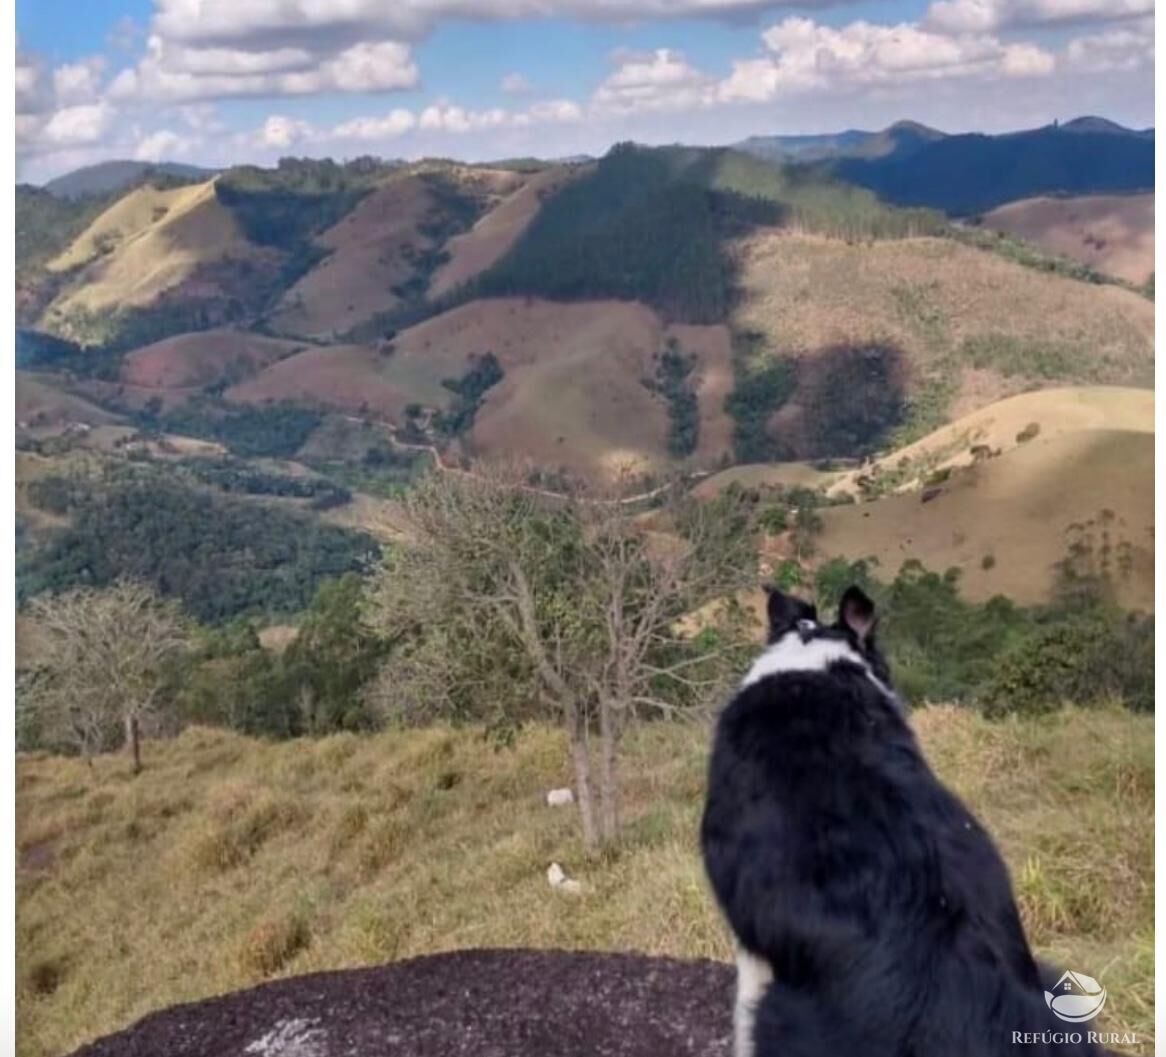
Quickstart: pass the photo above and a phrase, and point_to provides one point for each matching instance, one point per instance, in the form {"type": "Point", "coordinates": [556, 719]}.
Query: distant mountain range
{"type": "Point", "coordinates": [911, 164]}
{"type": "Point", "coordinates": [901, 137]}
{"type": "Point", "coordinates": [110, 176]}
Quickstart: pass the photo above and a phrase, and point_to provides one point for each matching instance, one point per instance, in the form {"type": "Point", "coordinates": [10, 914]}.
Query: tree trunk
{"type": "Point", "coordinates": [582, 761]}
{"type": "Point", "coordinates": [608, 776]}
{"type": "Point", "coordinates": [133, 744]}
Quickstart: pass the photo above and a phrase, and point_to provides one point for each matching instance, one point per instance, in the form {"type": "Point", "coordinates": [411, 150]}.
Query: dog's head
{"type": "Point", "coordinates": [855, 624]}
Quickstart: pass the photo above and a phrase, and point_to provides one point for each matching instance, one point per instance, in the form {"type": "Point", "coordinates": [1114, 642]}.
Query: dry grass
{"type": "Point", "coordinates": [1019, 508]}
{"type": "Point", "coordinates": [195, 360]}
{"type": "Point", "coordinates": [929, 296]}
{"type": "Point", "coordinates": [1112, 233]}
{"type": "Point", "coordinates": [43, 406]}
{"type": "Point", "coordinates": [1072, 409]}
{"type": "Point", "coordinates": [367, 256]}
{"type": "Point", "coordinates": [153, 242]}
{"type": "Point", "coordinates": [764, 475]}
{"type": "Point", "coordinates": [230, 860]}
{"type": "Point", "coordinates": [496, 231]}
{"type": "Point", "coordinates": [572, 395]}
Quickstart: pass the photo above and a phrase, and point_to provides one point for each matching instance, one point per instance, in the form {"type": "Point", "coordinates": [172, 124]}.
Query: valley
{"type": "Point", "coordinates": [657, 315]}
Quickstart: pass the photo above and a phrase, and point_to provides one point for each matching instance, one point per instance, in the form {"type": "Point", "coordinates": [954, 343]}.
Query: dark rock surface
{"type": "Point", "coordinates": [488, 1003]}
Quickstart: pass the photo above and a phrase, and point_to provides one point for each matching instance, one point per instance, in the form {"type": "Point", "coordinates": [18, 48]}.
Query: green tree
{"type": "Point", "coordinates": [331, 658]}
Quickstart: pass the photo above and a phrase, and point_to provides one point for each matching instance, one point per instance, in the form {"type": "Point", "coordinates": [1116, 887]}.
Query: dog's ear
{"type": "Point", "coordinates": [784, 611]}
{"type": "Point", "coordinates": [857, 612]}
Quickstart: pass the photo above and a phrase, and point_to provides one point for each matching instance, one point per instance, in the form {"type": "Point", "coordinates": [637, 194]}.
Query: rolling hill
{"type": "Point", "coordinates": [492, 236]}
{"type": "Point", "coordinates": [1112, 233]}
{"type": "Point", "coordinates": [970, 173]}
{"type": "Point", "coordinates": [195, 361]}
{"type": "Point", "coordinates": [903, 137]}
{"type": "Point", "coordinates": [175, 253]}
{"type": "Point", "coordinates": [385, 256]}
{"type": "Point", "coordinates": [669, 309]}
{"type": "Point", "coordinates": [1005, 523]}
{"type": "Point", "coordinates": [572, 395]}
{"type": "Point", "coordinates": [960, 327]}
{"type": "Point", "coordinates": [110, 176]}
{"type": "Point", "coordinates": [1003, 495]}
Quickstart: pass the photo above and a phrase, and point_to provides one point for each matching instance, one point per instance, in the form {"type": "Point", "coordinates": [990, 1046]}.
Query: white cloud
{"type": "Point", "coordinates": [340, 23]}
{"type": "Point", "coordinates": [201, 117]}
{"type": "Point", "coordinates": [980, 16]}
{"type": "Point", "coordinates": [1026, 60]}
{"type": "Point", "coordinates": [515, 84]}
{"type": "Point", "coordinates": [33, 88]}
{"type": "Point", "coordinates": [73, 126]}
{"type": "Point", "coordinates": [449, 118]}
{"type": "Point", "coordinates": [395, 123]}
{"type": "Point", "coordinates": [160, 145]}
{"type": "Point", "coordinates": [78, 82]}
{"type": "Point", "coordinates": [554, 110]}
{"type": "Point", "coordinates": [445, 118]}
{"type": "Point", "coordinates": [172, 72]}
{"type": "Point", "coordinates": [60, 108]}
{"type": "Point", "coordinates": [1121, 49]}
{"type": "Point", "coordinates": [371, 67]}
{"type": "Point", "coordinates": [659, 80]}
{"type": "Point", "coordinates": [281, 132]}
{"type": "Point", "coordinates": [807, 57]}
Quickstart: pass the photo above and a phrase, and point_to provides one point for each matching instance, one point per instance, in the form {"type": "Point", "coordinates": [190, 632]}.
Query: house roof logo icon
{"type": "Point", "coordinates": [1076, 997]}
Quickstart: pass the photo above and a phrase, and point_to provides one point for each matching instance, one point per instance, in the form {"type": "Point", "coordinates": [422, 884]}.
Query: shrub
{"type": "Point", "coordinates": [1028, 433]}
{"type": "Point", "coordinates": [774, 520]}
{"type": "Point", "coordinates": [271, 944]}
{"type": "Point", "coordinates": [1089, 657]}
{"type": "Point", "coordinates": [483, 373]}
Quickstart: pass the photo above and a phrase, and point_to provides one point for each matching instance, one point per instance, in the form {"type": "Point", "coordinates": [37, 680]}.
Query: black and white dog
{"type": "Point", "coordinates": [872, 914]}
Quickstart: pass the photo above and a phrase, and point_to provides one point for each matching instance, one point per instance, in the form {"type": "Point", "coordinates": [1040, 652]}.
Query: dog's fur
{"type": "Point", "coordinates": [872, 913]}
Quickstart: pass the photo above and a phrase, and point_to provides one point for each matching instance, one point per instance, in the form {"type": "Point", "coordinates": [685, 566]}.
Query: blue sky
{"type": "Point", "coordinates": [219, 81]}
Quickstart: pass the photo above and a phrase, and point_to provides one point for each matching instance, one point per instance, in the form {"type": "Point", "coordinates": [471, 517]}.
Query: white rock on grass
{"type": "Point", "coordinates": [558, 879]}
{"type": "Point", "coordinates": [560, 797]}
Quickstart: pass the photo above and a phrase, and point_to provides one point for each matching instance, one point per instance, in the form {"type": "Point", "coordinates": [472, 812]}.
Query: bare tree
{"type": "Point", "coordinates": [102, 657]}
{"type": "Point", "coordinates": [641, 583]}
{"type": "Point", "coordinates": [508, 605]}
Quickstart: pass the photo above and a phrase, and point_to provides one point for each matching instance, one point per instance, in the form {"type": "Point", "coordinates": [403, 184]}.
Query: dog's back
{"type": "Point", "coordinates": [879, 904]}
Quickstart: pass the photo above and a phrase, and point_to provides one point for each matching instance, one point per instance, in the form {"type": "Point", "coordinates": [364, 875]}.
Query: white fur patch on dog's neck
{"type": "Point", "coordinates": [792, 654]}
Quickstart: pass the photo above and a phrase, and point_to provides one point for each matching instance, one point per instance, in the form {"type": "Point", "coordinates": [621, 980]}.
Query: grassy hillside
{"type": "Point", "coordinates": [207, 358]}
{"type": "Point", "coordinates": [155, 263]}
{"type": "Point", "coordinates": [949, 173]}
{"type": "Point", "coordinates": [230, 861]}
{"type": "Point", "coordinates": [573, 393]}
{"type": "Point", "coordinates": [496, 231]}
{"type": "Point", "coordinates": [1111, 233]}
{"type": "Point", "coordinates": [960, 327]}
{"type": "Point", "coordinates": [41, 405]}
{"type": "Point", "coordinates": [379, 258]}
{"type": "Point", "coordinates": [164, 258]}
{"type": "Point", "coordinates": [1007, 521]}
{"type": "Point", "coordinates": [367, 255]}
{"type": "Point", "coordinates": [651, 224]}
{"type": "Point", "coordinates": [1000, 427]}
